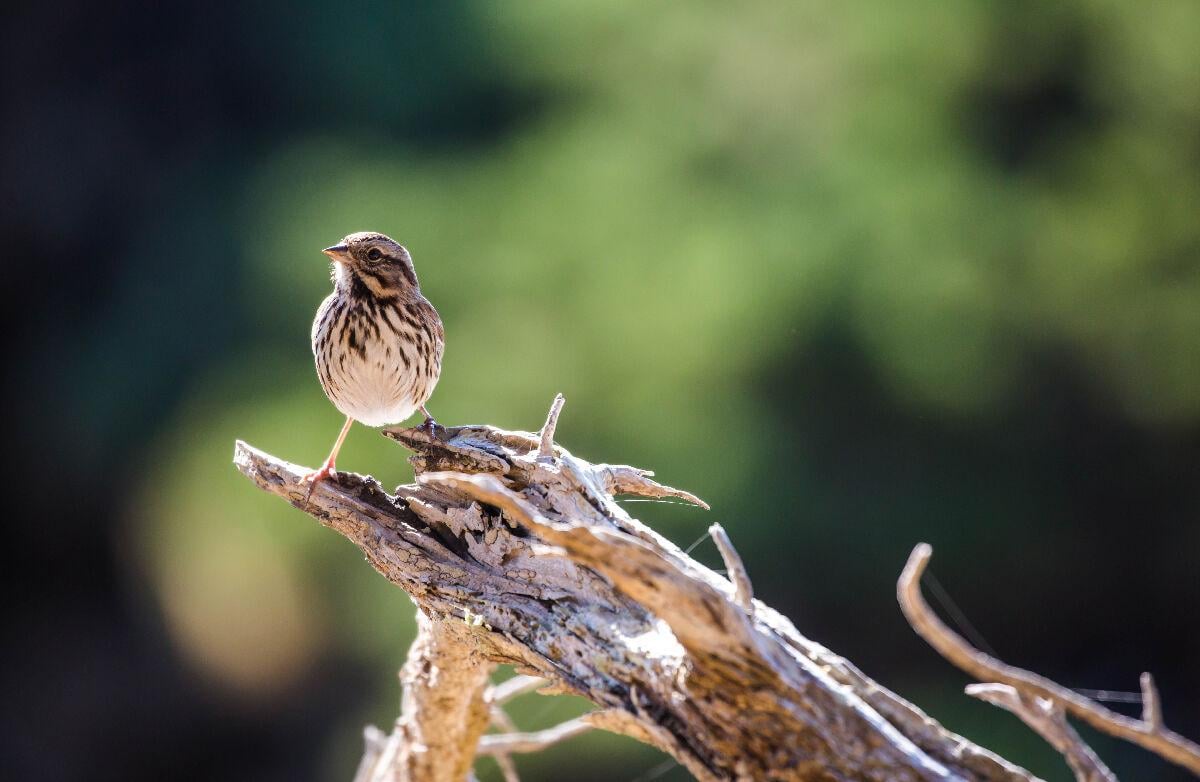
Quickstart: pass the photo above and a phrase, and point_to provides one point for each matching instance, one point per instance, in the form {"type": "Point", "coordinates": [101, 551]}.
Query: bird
{"type": "Point", "coordinates": [376, 340]}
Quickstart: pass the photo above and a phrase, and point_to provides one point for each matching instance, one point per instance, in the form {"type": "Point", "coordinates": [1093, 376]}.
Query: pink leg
{"type": "Point", "coordinates": [316, 476]}
{"type": "Point", "coordinates": [430, 424]}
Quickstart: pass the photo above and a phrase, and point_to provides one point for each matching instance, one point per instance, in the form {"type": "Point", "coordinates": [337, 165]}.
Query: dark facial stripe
{"type": "Point", "coordinates": [410, 274]}
{"type": "Point", "coordinates": [381, 282]}
{"type": "Point", "coordinates": [358, 288]}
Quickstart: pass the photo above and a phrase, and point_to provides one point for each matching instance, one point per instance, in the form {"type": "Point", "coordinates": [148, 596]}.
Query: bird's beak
{"type": "Point", "coordinates": [338, 252]}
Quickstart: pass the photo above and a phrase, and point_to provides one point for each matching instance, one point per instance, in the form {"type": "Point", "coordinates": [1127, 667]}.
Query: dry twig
{"type": "Point", "coordinates": [518, 685]}
{"type": "Point", "coordinates": [513, 743]}
{"type": "Point", "coordinates": [1149, 732]}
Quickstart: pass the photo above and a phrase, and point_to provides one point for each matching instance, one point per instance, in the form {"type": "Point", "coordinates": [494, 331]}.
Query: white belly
{"type": "Point", "coordinates": [378, 389]}
{"type": "Point", "coordinates": [379, 380]}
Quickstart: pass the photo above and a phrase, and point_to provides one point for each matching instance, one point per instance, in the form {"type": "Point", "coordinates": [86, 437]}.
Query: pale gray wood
{"type": "Point", "coordinates": [522, 548]}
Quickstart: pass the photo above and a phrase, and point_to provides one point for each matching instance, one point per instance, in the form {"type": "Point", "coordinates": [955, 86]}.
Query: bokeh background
{"type": "Point", "coordinates": [860, 274]}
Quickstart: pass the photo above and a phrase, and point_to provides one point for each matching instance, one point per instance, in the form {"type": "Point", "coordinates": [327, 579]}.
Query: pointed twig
{"type": "Point", "coordinates": [1151, 705]}
{"type": "Point", "coordinates": [743, 591]}
{"type": "Point", "coordinates": [546, 449]}
{"type": "Point", "coordinates": [622, 479]}
{"type": "Point", "coordinates": [1145, 733]}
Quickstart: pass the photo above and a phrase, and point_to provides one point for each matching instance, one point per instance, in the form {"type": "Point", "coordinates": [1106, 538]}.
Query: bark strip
{"type": "Point", "coordinates": [517, 552]}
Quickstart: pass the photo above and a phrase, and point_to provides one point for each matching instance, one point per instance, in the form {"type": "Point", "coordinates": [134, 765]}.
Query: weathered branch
{"type": "Point", "coordinates": [1149, 732]}
{"type": "Point", "coordinates": [532, 562]}
{"type": "Point", "coordinates": [444, 680]}
{"type": "Point", "coordinates": [1047, 719]}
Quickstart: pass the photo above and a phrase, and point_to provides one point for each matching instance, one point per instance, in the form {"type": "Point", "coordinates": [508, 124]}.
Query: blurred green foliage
{"type": "Point", "coordinates": [695, 206]}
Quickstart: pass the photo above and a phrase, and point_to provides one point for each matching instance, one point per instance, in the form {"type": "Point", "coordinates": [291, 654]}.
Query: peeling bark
{"type": "Point", "coordinates": [521, 548]}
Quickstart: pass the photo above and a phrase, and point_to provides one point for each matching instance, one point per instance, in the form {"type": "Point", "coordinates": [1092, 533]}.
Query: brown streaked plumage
{"type": "Point", "coordinates": [376, 340]}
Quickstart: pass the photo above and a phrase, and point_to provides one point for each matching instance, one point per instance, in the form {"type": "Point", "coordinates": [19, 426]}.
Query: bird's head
{"type": "Point", "coordinates": [375, 261]}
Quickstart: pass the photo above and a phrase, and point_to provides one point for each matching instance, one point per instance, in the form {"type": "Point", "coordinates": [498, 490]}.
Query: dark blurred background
{"type": "Point", "coordinates": [859, 274]}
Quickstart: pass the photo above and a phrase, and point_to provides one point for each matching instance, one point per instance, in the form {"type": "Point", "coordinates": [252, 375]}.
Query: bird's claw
{"type": "Point", "coordinates": [315, 477]}
{"type": "Point", "coordinates": [430, 426]}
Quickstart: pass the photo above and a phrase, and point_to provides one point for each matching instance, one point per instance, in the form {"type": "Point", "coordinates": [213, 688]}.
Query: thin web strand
{"type": "Point", "coordinates": [1109, 696]}
{"type": "Point", "coordinates": [964, 625]}
{"type": "Point", "coordinates": [956, 614]}
{"type": "Point", "coordinates": [657, 771]}
{"type": "Point", "coordinates": [697, 542]}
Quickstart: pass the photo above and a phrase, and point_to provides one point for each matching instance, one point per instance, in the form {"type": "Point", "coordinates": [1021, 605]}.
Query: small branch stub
{"type": "Point", "coordinates": [546, 448]}
{"type": "Point", "coordinates": [1151, 706]}
{"type": "Point", "coordinates": [743, 592]}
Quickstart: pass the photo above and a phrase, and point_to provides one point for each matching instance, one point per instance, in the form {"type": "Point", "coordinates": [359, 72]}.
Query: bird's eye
{"type": "Point", "coordinates": [374, 254]}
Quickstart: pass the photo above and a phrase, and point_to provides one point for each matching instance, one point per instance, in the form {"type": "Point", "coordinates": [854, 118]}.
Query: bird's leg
{"type": "Point", "coordinates": [316, 476]}
{"type": "Point", "coordinates": [430, 424]}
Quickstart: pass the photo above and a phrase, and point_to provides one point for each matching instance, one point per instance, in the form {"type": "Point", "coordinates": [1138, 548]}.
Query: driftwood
{"type": "Point", "coordinates": [516, 552]}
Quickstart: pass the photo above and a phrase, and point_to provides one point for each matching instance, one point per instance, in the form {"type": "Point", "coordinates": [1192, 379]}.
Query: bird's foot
{"type": "Point", "coordinates": [315, 477]}
{"type": "Point", "coordinates": [430, 426]}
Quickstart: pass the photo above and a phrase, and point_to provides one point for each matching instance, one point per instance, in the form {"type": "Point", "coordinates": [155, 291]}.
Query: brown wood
{"type": "Point", "coordinates": [532, 561]}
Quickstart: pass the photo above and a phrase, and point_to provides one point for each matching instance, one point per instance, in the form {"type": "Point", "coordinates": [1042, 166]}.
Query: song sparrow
{"type": "Point", "coordinates": [376, 340]}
